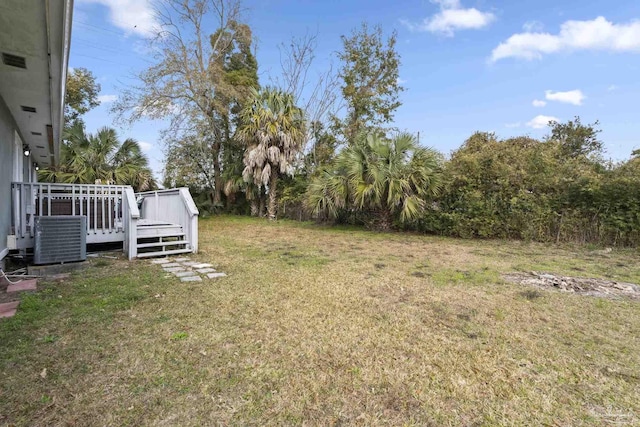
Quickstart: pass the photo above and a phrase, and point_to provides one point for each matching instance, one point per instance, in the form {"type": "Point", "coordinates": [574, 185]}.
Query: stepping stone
{"type": "Point", "coordinates": [202, 265]}
{"type": "Point", "coordinates": [206, 270]}
{"type": "Point", "coordinates": [160, 261]}
{"type": "Point", "coordinates": [184, 273]}
{"type": "Point", "coordinates": [190, 263]}
{"type": "Point", "coordinates": [8, 309]}
{"type": "Point", "coordinates": [191, 279]}
{"type": "Point", "coordinates": [215, 275]}
{"type": "Point", "coordinates": [181, 259]}
{"type": "Point", "coordinates": [174, 269]}
{"type": "Point", "coordinates": [23, 285]}
{"type": "Point", "coordinates": [172, 264]}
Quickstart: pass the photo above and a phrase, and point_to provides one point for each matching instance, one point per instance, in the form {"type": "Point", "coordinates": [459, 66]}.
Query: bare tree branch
{"type": "Point", "coordinates": [315, 92]}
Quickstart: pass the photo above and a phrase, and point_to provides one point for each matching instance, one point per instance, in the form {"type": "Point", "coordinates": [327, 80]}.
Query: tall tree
{"type": "Point", "coordinates": [188, 163]}
{"type": "Point", "coordinates": [575, 138]}
{"type": "Point", "coordinates": [370, 74]}
{"type": "Point", "coordinates": [87, 158]}
{"type": "Point", "coordinates": [185, 84]}
{"type": "Point", "coordinates": [235, 76]}
{"type": "Point", "coordinates": [273, 130]}
{"type": "Point", "coordinates": [196, 154]}
{"type": "Point", "coordinates": [391, 179]}
{"type": "Point", "coordinates": [81, 95]}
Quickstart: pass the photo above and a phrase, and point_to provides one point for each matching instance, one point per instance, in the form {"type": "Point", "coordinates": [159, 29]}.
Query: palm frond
{"type": "Point", "coordinates": [383, 175]}
{"type": "Point", "coordinates": [86, 158]}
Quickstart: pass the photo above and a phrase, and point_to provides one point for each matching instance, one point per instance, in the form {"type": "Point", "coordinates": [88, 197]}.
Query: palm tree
{"type": "Point", "coordinates": [328, 193]}
{"type": "Point", "coordinates": [273, 131]}
{"type": "Point", "coordinates": [389, 178]}
{"type": "Point", "coordinates": [87, 158]}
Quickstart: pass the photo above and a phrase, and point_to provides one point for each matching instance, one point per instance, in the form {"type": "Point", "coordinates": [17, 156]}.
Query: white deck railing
{"type": "Point", "coordinates": [112, 211]}
{"type": "Point", "coordinates": [101, 204]}
{"type": "Point", "coordinates": [173, 206]}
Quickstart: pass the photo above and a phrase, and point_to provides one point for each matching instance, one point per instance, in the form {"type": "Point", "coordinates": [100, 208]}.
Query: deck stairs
{"type": "Point", "coordinates": [159, 238]}
{"type": "Point", "coordinates": [148, 224]}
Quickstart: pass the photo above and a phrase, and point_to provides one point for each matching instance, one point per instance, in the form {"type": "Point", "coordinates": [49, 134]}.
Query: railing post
{"type": "Point", "coordinates": [95, 210]}
{"type": "Point", "coordinates": [192, 215]}
{"type": "Point", "coordinates": [49, 200]}
{"type": "Point", "coordinates": [130, 214]}
{"type": "Point", "coordinates": [23, 212]}
{"type": "Point", "coordinates": [109, 209]}
{"type": "Point", "coordinates": [102, 207]}
{"type": "Point", "coordinates": [16, 208]}
{"type": "Point", "coordinates": [40, 195]}
{"type": "Point", "coordinates": [194, 233]}
{"type": "Point", "coordinates": [31, 211]}
{"type": "Point", "coordinates": [155, 216]}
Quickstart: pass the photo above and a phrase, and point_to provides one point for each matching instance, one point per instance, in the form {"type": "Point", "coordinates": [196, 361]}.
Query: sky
{"type": "Point", "coordinates": [501, 66]}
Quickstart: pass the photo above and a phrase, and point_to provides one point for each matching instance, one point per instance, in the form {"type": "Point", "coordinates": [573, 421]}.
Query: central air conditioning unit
{"type": "Point", "coordinates": [60, 239]}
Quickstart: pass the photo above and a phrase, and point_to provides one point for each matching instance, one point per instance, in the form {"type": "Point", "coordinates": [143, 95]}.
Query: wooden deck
{"type": "Point", "coordinates": [150, 223]}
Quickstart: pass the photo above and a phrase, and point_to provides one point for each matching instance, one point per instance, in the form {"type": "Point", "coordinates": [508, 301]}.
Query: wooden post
{"type": "Point", "coordinates": [130, 214]}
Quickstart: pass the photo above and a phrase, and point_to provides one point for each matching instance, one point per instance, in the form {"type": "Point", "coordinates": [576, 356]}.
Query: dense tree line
{"type": "Point", "coordinates": [326, 149]}
{"type": "Point", "coordinates": [348, 164]}
{"type": "Point", "coordinates": [559, 189]}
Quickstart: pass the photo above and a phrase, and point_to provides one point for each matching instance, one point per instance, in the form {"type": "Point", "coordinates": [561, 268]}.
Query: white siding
{"type": "Point", "coordinates": [7, 171]}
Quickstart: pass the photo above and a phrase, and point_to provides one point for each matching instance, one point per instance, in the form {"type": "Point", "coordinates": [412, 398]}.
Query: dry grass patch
{"type": "Point", "coordinates": [326, 326]}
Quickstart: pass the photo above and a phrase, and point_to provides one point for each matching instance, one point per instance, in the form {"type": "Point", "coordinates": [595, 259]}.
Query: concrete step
{"type": "Point", "coordinates": [158, 244]}
{"type": "Point", "coordinates": [22, 285]}
{"type": "Point", "coordinates": [164, 253]}
{"type": "Point", "coordinates": [8, 309]}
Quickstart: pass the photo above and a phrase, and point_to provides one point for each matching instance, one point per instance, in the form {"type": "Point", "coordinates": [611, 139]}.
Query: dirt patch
{"type": "Point", "coordinates": [580, 285]}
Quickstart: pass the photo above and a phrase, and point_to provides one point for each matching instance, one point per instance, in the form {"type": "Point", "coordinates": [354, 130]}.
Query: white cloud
{"type": "Point", "coordinates": [447, 4]}
{"type": "Point", "coordinates": [133, 16]}
{"type": "Point", "coordinates": [533, 27]}
{"type": "Point", "coordinates": [574, 97]}
{"type": "Point", "coordinates": [539, 103]}
{"type": "Point", "coordinates": [541, 121]}
{"type": "Point", "coordinates": [146, 146]}
{"type": "Point", "coordinates": [597, 34]}
{"type": "Point", "coordinates": [106, 99]}
{"type": "Point", "coordinates": [143, 48]}
{"type": "Point", "coordinates": [452, 17]}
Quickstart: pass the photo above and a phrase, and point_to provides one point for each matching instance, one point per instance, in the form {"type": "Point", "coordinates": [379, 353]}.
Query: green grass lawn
{"type": "Point", "coordinates": [327, 326]}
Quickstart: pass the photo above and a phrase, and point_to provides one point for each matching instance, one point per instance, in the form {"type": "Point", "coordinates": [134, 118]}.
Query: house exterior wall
{"type": "Point", "coordinates": [7, 171]}
{"type": "Point", "coordinates": [39, 32]}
